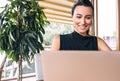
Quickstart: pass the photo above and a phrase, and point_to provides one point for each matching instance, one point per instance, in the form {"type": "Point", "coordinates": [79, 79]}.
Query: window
{"type": "Point", "coordinates": [107, 21]}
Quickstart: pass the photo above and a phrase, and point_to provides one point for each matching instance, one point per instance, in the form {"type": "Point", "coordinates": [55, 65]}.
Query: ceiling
{"type": "Point", "coordinates": [57, 10]}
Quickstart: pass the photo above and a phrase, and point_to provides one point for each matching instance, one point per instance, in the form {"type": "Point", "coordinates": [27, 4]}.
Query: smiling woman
{"type": "Point", "coordinates": [80, 39]}
{"type": "Point", "coordinates": [82, 19]}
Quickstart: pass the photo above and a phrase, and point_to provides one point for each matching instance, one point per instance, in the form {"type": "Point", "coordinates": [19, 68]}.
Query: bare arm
{"type": "Point", "coordinates": [56, 43]}
{"type": "Point", "coordinates": [102, 46]}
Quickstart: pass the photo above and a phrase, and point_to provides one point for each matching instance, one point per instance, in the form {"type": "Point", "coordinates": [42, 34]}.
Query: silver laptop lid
{"type": "Point", "coordinates": [81, 66]}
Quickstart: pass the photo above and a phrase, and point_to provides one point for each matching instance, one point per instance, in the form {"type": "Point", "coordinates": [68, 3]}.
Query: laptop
{"type": "Point", "coordinates": [81, 65]}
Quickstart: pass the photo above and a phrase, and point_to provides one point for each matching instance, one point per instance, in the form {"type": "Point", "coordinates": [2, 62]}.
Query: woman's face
{"type": "Point", "coordinates": [82, 19]}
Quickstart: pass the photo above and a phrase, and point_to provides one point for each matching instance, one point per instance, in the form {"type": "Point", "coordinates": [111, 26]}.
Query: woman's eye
{"type": "Point", "coordinates": [78, 16]}
{"type": "Point", "coordinates": [88, 17]}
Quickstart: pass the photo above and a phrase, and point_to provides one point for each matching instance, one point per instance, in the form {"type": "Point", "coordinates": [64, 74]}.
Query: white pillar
{"type": "Point", "coordinates": [38, 67]}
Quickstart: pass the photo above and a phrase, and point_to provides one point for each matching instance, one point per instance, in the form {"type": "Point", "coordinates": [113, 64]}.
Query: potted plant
{"type": "Point", "coordinates": [21, 30]}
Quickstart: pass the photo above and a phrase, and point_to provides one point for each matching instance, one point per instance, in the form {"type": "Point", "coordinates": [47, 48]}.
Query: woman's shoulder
{"type": "Point", "coordinates": [102, 45]}
{"type": "Point", "coordinates": [56, 37]}
{"type": "Point", "coordinates": [56, 43]}
{"type": "Point", "coordinates": [100, 40]}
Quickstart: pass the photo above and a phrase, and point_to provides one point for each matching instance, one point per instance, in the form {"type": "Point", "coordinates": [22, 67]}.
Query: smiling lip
{"type": "Point", "coordinates": [82, 27]}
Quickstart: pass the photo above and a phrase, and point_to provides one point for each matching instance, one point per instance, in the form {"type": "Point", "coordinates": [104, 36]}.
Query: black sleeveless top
{"type": "Point", "coordinates": [75, 41]}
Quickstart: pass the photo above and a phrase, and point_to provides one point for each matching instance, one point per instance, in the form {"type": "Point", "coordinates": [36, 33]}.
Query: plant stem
{"type": "Point", "coordinates": [2, 65]}
{"type": "Point", "coordinates": [20, 69]}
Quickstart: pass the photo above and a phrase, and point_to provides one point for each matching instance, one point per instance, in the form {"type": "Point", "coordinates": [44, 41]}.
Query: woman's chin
{"type": "Point", "coordinates": [82, 32]}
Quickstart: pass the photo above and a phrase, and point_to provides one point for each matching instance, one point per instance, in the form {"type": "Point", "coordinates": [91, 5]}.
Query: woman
{"type": "Point", "coordinates": [82, 16]}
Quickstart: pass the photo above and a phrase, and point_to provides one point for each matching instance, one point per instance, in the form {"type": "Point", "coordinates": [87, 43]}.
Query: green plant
{"type": "Point", "coordinates": [21, 29]}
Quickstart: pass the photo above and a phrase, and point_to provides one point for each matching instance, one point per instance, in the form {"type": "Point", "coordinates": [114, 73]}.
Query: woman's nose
{"type": "Point", "coordinates": [82, 21]}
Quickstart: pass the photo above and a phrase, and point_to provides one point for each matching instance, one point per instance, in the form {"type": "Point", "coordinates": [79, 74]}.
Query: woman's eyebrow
{"type": "Point", "coordinates": [78, 14]}
{"type": "Point", "coordinates": [86, 15]}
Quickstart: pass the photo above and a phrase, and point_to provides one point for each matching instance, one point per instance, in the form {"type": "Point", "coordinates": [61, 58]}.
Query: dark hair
{"type": "Point", "coordinates": [82, 3]}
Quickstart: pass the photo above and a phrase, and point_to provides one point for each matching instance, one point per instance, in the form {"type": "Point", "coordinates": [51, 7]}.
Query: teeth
{"type": "Point", "coordinates": [81, 26]}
